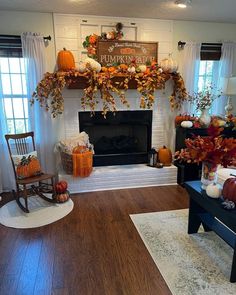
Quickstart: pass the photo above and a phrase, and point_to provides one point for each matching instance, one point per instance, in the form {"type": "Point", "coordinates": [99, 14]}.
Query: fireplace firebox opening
{"type": "Point", "coordinates": [122, 138]}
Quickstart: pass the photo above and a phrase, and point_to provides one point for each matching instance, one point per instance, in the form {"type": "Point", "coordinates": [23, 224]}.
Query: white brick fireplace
{"type": "Point", "coordinates": [126, 176]}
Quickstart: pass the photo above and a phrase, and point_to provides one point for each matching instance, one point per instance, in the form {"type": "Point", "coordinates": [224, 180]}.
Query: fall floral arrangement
{"type": "Point", "coordinates": [109, 82]}
{"type": "Point", "coordinates": [204, 99]}
{"type": "Point", "coordinates": [90, 42]}
{"type": "Point", "coordinates": [214, 148]}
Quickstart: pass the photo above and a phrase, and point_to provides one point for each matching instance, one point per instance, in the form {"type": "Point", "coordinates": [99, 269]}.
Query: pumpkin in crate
{"type": "Point", "coordinates": [229, 189]}
{"type": "Point", "coordinates": [65, 60]}
{"type": "Point", "coordinates": [165, 156]}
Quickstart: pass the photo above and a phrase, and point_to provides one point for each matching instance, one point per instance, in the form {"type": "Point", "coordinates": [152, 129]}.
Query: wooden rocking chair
{"type": "Point", "coordinates": [23, 144]}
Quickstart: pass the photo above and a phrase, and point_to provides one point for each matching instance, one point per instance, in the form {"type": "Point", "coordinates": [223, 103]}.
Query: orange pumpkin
{"type": "Point", "coordinates": [65, 60]}
{"type": "Point", "coordinates": [104, 69]}
{"type": "Point", "coordinates": [165, 156]}
{"type": "Point", "coordinates": [62, 197]}
{"type": "Point", "coordinates": [123, 67]}
{"type": "Point", "coordinates": [111, 69]}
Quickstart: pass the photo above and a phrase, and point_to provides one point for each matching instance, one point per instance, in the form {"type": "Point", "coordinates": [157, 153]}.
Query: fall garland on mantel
{"type": "Point", "coordinates": [49, 90]}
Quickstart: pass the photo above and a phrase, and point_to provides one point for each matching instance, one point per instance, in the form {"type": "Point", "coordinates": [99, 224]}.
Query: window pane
{"type": "Point", "coordinates": [4, 65]}
{"type": "Point", "coordinates": [14, 65]}
{"type": "Point", "coordinates": [6, 86]}
{"type": "Point", "coordinates": [200, 84]}
{"type": "Point", "coordinates": [22, 64]}
{"type": "Point", "coordinates": [8, 108]}
{"type": "Point", "coordinates": [24, 84]}
{"type": "Point", "coordinates": [18, 108]}
{"type": "Point", "coordinates": [20, 126]}
{"type": "Point", "coordinates": [16, 84]}
{"type": "Point", "coordinates": [10, 126]}
{"type": "Point", "coordinates": [26, 107]}
{"type": "Point", "coordinates": [209, 67]}
{"type": "Point", "coordinates": [202, 67]}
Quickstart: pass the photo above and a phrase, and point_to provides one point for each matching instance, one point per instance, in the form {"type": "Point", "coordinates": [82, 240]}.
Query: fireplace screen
{"type": "Point", "coordinates": [123, 138]}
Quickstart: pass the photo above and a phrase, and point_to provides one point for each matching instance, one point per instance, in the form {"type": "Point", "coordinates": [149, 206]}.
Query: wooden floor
{"type": "Point", "coordinates": [94, 250]}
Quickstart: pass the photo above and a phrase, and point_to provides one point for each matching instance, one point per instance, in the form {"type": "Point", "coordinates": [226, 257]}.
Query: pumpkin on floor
{"type": "Point", "coordinates": [165, 156]}
{"type": "Point", "coordinates": [62, 197]}
{"type": "Point", "coordinates": [65, 60]}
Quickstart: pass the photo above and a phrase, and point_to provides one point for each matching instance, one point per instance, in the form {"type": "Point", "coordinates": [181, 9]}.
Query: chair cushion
{"type": "Point", "coordinates": [26, 165]}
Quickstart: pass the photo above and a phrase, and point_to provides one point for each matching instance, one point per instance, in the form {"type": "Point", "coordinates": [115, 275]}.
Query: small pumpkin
{"type": "Point", "coordinates": [131, 70]}
{"type": "Point", "coordinates": [169, 65]}
{"type": "Point", "coordinates": [62, 197]}
{"type": "Point", "coordinates": [142, 68]}
{"type": "Point", "coordinates": [213, 190]}
{"type": "Point", "coordinates": [229, 189]}
{"type": "Point", "coordinates": [165, 156]}
{"type": "Point", "coordinates": [82, 67]}
{"type": "Point", "coordinates": [123, 67]}
{"type": "Point", "coordinates": [65, 60]}
{"type": "Point", "coordinates": [93, 39]}
{"type": "Point", "coordinates": [186, 124]}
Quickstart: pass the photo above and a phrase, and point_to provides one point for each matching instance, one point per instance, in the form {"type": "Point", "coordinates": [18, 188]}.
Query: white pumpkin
{"type": "Point", "coordinates": [186, 124]}
{"type": "Point", "coordinates": [214, 190]}
{"type": "Point", "coordinates": [95, 66]}
{"type": "Point", "coordinates": [131, 70]}
{"type": "Point", "coordinates": [169, 65]}
{"type": "Point", "coordinates": [82, 67]}
{"type": "Point", "coordinates": [142, 68]}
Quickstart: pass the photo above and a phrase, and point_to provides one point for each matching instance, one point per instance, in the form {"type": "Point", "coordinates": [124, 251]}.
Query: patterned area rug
{"type": "Point", "coordinates": [41, 213]}
{"type": "Point", "coordinates": [196, 264]}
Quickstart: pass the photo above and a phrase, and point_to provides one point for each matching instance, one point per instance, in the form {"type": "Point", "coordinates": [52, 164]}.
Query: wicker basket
{"type": "Point", "coordinates": [67, 162]}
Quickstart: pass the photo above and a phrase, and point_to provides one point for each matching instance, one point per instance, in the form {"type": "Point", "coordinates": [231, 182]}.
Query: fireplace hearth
{"type": "Point", "coordinates": [122, 138]}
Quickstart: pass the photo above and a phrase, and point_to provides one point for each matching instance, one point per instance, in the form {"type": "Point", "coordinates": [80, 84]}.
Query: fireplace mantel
{"type": "Point", "coordinates": [81, 82]}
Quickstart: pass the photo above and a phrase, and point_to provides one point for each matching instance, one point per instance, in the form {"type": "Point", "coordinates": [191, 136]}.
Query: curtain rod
{"type": "Point", "coordinates": [49, 38]}
{"type": "Point", "coordinates": [181, 44]}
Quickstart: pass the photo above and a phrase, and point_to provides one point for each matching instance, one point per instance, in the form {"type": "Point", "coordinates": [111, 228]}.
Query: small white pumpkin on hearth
{"type": "Point", "coordinates": [186, 124]}
{"type": "Point", "coordinates": [214, 190]}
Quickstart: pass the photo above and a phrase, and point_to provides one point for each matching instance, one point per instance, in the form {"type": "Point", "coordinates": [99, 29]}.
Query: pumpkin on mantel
{"type": "Point", "coordinates": [165, 156]}
{"type": "Point", "coordinates": [65, 60]}
{"type": "Point", "coordinates": [169, 65]}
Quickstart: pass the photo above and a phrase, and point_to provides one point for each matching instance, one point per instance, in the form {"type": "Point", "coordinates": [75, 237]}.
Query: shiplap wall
{"type": "Point", "coordinates": [70, 32]}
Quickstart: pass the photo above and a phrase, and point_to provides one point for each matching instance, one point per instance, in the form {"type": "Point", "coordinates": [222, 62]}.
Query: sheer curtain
{"type": "Point", "coordinates": [225, 71]}
{"type": "Point", "coordinates": [7, 179]}
{"type": "Point", "coordinates": [190, 67]}
{"type": "Point", "coordinates": [41, 122]}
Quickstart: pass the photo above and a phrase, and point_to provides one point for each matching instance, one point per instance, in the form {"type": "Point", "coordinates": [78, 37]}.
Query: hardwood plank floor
{"type": "Point", "coordinates": [94, 250]}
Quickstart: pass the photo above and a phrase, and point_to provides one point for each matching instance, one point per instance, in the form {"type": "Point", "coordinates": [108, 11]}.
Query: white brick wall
{"type": "Point", "coordinates": [70, 31]}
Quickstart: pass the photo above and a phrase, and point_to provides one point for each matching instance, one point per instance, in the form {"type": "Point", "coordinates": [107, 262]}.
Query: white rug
{"type": "Point", "coordinates": [196, 264]}
{"type": "Point", "coordinates": [41, 213]}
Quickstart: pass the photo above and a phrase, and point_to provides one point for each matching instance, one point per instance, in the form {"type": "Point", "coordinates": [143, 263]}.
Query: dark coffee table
{"type": "Point", "coordinates": [208, 212]}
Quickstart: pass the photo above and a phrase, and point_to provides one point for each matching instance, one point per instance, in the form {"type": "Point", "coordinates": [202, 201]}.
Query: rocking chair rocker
{"type": "Point", "coordinates": [22, 144]}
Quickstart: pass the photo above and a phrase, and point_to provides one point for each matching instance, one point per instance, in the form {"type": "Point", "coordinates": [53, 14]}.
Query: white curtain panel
{"type": "Point", "coordinates": [190, 67]}
{"type": "Point", "coordinates": [225, 71]}
{"type": "Point", "coordinates": [41, 122]}
{"type": "Point", "coordinates": [7, 179]}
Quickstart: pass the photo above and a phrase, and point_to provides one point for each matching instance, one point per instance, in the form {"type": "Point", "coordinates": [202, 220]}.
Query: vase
{"type": "Point", "coordinates": [205, 118]}
{"type": "Point", "coordinates": [208, 174]}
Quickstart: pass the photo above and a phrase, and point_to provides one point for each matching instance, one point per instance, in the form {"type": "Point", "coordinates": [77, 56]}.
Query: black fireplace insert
{"type": "Point", "coordinates": [122, 138]}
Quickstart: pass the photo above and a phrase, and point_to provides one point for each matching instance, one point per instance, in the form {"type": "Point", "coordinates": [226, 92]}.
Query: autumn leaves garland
{"type": "Point", "coordinates": [49, 90]}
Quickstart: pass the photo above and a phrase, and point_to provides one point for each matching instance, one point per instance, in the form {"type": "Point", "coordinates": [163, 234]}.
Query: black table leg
{"type": "Point", "coordinates": [233, 269]}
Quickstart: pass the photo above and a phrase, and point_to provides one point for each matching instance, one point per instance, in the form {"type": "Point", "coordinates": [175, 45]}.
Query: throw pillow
{"type": "Point", "coordinates": [26, 165]}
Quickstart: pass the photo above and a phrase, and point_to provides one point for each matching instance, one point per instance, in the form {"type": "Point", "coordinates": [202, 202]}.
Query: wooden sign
{"type": "Point", "coordinates": [124, 52]}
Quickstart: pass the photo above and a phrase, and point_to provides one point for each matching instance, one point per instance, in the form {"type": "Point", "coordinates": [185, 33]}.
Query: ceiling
{"type": "Point", "coordinates": [200, 10]}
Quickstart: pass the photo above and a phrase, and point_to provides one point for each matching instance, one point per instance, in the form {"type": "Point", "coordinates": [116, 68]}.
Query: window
{"type": "Point", "coordinates": [13, 86]}
{"type": "Point", "coordinates": [209, 67]}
